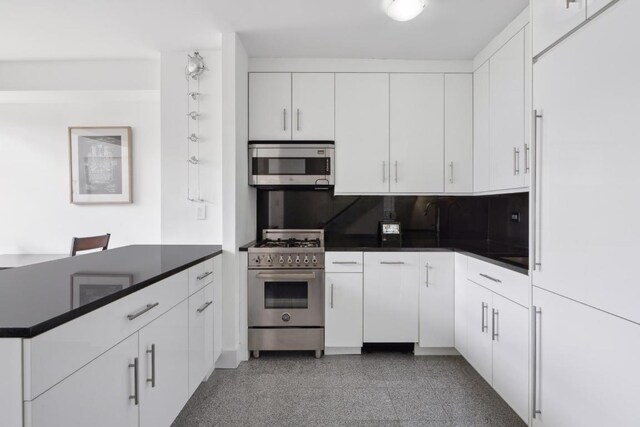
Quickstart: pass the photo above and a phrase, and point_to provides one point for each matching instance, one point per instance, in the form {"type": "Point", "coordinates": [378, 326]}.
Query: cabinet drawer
{"type": "Point", "coordinates": [54, 355]}
{"type": "Point", "coordinates": [343, 262]}
{"type": "Point", "coordinates": [200, 275]}
{"type": "Point", "coordinates": [509, 284]}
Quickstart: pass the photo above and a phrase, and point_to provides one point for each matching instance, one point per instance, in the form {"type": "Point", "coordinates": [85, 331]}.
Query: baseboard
{"type": "Point", "coordinates": [335, 351]}
{"type": "Point", "coordinates": [435, 351]}
{"type": "Point", "coordinates": [230, 359]}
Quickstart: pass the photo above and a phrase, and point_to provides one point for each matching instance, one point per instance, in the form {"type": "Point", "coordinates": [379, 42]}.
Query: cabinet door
{"type": "Point", "coordinates": [417, 133]}
{"type": "Point", "coordinates": [269, 106]}
{"type": "Point", "coordinates": [313, 106]}
{"type": "Point", "coordinates": [343, 310]}
{"type": "Point", "coordinates": [461, 314]}
{"type": "Point", "coordinates": [436, 299]}
{"type": "Point", "coordinates": [200, 336]}
{"type": "Point", "coordinates": [391, 294]}
{"type": "Point", "coordinates": [552, 19]}
{"type": "Point", "coordinates": [588, 155]}
{"type": "Point", "coordinates": [479, 345]}
{"type": "Point", "coordinates": [97, 395]}
{"type": "Point", "coordinates": [510, 325]}
{"type": "Point", "coordinates": [506, 84]}
{"type": "Point", "coordinates": [595, 6]}
{"type": "Point", "coordinates": [481, 136]}
{"type": "Point", "coordinates": [217, 309]}
{"type": "Point", "coordinates": [362, 133]}
{"type": "Point", "coordinates": [164, 370]}
{"type": "Point", "coordinates": [458, 133]}
{"type": "Point", "coordinates": [587, 365]}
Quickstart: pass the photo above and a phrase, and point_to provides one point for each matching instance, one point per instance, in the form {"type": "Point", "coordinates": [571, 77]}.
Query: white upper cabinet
{"type": "Point", "coordinates": [481, 134]}
{"type": "Point", "coordinates": [458, 133]}
{"type": "Point", "coordinates": [587, 91]}
{"type": "Point", "coordinates": [391, 296]}
{"type": "Point", "coordinates": [595, 6]}
{"type": "Point", "coordinates": [270, 107]}
{"type": "Point", "coordinates": [362, 133]}
{"type": "Point", "coordinates": [417, 133]}
{"type": "Point", "coordinates": [313, 105]}
{"type": "Point", "coordinates": [507, 110]}
{"type": "Point", "coordinates": [553, 19]}
{"type": "Point", "coordinates": [436, 299]}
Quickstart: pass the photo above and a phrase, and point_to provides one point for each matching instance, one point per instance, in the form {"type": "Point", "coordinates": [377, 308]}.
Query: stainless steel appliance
{"type": "Point", "coordinates": [286, 291]}
{"type": "Point", "coordinates": [281, 164]}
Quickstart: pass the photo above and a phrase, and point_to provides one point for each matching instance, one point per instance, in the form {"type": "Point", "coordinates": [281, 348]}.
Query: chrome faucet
{"type": "Point", "coordinates": [426, 213]}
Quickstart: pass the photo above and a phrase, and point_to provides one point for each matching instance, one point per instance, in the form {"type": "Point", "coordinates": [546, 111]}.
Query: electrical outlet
{"type": "Point", "coordinates": [201, 211]}
{"type": "Point", "coordinates": [515, 216]}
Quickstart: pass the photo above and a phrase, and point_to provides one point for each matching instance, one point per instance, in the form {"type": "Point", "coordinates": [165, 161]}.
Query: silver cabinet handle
{"type": "Point", "coordinates": [332, 295]}
{"type": "Point", "coordinates": [426, 282]}
{"type": "Point", "coordinates": [451, 172]}
{"type": "Point", "coordinates": [392, 262]}
{"type": "Point", "coordinates": [494, 322]}
{"type": "Point", "coordinates": [152, 352]}
{"type": "Point", "coordinates": [516, 161]}
{"type": "Point", "coordinates": [384, 171]}
{"type": "Point", "coordinates": [484, 326]}
{"type": "Point", "coordinates": [535, 241]}
{"type": "Point", "coordinates": [527, 157]}
{"type": "Point", "coordinates": [204, 306]}
{"type": "Point", "coordinates": [535, 312]}
{"type": "Point", "coordinates": [396, 171]}
{"type": "Point", "coordinates": [276, 276]}
{"type": "Point", "coordinates": [569, 3]}
{"type": "Point", "coordinates": [344, 262]}
{"type": "Point", "coordinates": [203, 275]}
{"type": "Point", "coordinates": [298, 119]}
{"type": "Point", "coordinates": [143, 311]}
{"type": "Point", "coordinates": [493, 279]}
{"type": "Point", "coordinates": [135, 395]}
{"type": "Point", "coordinates": [284, 119]}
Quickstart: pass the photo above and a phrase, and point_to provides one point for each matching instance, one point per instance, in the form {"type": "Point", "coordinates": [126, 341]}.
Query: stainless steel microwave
{"type": "Point", "coordinates": [286, 164]}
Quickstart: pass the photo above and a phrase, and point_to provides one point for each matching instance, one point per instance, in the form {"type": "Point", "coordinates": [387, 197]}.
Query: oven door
{"type": "Point", "coordinates": [286, 298]}
{"type": "Point", "coordinates": [285, 165]}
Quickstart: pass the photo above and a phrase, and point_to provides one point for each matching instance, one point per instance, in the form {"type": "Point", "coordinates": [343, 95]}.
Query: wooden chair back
{"type": "Point", "coordinates": [87, 243]}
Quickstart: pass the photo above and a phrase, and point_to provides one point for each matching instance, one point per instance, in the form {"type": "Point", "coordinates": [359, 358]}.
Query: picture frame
{"type": "Point", "coordinates": [100, 164]}
{"type": "Point", "coordinates": [89, 287]}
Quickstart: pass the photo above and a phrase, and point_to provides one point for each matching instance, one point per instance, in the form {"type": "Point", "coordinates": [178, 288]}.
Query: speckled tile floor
{"type": "Point", "coordinates": [378, 389]}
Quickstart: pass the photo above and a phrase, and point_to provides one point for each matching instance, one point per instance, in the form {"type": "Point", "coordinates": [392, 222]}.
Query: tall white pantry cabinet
{"type": "Point", "coordinates": [586, 316]}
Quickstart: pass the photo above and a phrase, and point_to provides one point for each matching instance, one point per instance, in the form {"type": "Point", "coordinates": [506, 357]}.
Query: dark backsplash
{"type": "Point", "coordinates": [471, 218]}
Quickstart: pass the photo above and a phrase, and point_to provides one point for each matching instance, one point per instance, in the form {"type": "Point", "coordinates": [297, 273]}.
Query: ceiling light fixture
{"type": "Point", "coordinates": [405, 10]}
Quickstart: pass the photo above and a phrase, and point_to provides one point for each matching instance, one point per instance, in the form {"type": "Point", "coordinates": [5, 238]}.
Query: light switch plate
{"type": "Point", "coordinates": [201, 211]}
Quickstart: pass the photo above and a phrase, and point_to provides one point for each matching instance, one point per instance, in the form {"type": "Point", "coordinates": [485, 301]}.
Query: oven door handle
{"type": "Point", "coordinates": [286, 276]}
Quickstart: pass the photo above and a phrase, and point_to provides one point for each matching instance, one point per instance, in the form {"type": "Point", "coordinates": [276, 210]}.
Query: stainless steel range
{"type": "Point", "coordinates": [286, 291]}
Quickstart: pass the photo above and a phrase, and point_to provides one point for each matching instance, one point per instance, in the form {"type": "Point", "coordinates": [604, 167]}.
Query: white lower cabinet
{"type": "Point", "coordinates": [101, 394]}
{"type": "Point", "coordinates": [436, 299]}
{"type": "Point", "coordinates": [460, 310]}
{"type": "Point", "coordinates": [163, 376]}
{"type": "Point", "coordinates": [343, 310]}
{"type": "Point", "coordinates": [586, 363]}
{"type": "Point", "coordinates": [391, 297]}
{"type": "Point", "coordinates": [201, 312]}
{"type": "Point", "coordinates": [497, 344]}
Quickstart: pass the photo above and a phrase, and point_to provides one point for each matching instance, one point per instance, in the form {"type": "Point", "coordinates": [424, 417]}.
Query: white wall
{"type": "Point", "coordinates": [239, 200]}
{"type": "Point", "coordinates": [179, 223]}
{"type": "Point", "coordinates": [36, 215]}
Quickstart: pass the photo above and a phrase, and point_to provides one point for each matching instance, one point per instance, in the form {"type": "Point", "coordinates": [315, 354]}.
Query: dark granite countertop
{"type": "Point", "coordinates": [501, 254]}
{"type": "Point", "coordinates": [39, 297]}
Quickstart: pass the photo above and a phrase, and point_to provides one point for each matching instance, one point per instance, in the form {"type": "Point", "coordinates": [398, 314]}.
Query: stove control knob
{"type": "Point", "coordinates": [289, 260]}
{"type": "Point", "coordinates": [297, 260]}
{"type": "Point", "coordinates": [281, 260]}
{"type": "Point", "coordinates": [314, 260]}
{"type": "Point", "coordinates": [269, 260]}
{"type": "Point", "coordinates": [306, 260]}
{"type": "Point", "coordinates": [257, 260]}
{"type": "Point", "coordinates": [286, 317]}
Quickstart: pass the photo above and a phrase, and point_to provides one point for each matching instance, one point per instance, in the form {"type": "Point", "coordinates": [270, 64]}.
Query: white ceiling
{"type": "Point", "coordinates": [64, 29]}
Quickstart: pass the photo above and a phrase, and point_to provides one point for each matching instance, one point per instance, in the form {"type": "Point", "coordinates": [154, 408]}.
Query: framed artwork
{"type": "Point", "coordinates": [89, 287]}
{"type": "Point", "coordinates": [100, 161]}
